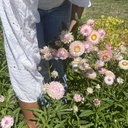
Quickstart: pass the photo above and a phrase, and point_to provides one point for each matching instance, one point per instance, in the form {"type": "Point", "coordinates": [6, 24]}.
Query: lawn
{"type": "Point", "coordinates": [108, 8]}
{"type": "Point", "coordinates": [113, 111]}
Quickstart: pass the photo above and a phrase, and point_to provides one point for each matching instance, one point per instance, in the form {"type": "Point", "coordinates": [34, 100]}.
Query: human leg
{"type": "Point", "coordinates": [52, 26]}
{"type": "Point", "coordinates": [28, 114]}
{"type": "Point", "coordinates": [48, 29]}
{"type": "Point", "coordinates": [44, 64]}
{"type": "Point", "coordinates": [26, 84]}
{"type": "Point", "coordinates": [22, 52]}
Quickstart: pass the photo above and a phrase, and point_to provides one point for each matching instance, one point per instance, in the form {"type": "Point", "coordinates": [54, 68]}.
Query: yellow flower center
{"type": "Point", "coordinates": [94, 37]}
{"type": "Point", "coordinates": [124, 63]}
{"type": "Point", "coordinates": [77, 48]}
{"type": "Point", "coordinates": [105, 56]}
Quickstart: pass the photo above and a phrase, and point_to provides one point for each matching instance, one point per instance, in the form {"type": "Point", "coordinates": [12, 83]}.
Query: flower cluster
{"type": "Point", "coordinates": [97, 74]}
{"type": "Point", "coordinates": [86, 57]}
{"type": "Point", "coordinates": [89, 59]}
{"type": "Point", "coordinates": [78, 98]}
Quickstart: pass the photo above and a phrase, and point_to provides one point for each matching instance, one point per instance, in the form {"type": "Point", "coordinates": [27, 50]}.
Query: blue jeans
{"type": "Point", "coordinates": [48, 29]}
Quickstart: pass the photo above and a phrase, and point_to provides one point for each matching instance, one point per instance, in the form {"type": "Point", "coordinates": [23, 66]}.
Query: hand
{"type": "Point", "coordinates": [72, 23]}
{"type": "Point", "coordinates": [76, 10]}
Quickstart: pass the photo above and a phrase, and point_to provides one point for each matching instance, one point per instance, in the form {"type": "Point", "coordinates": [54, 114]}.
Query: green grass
{"type": "Point", "coordinates": [114, 8]}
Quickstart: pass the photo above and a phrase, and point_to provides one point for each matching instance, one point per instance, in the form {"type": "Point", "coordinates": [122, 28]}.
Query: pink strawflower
{"type": "Point", "coordinates": [54, 74]}
{"type": "Point", "coordinates": [123, 64]}
{"type": "Point", "coordinates": [90, 74]}
{"type": "Point", "coordinates": [76, 48]}
{"type": "Point", "coordinates": [88, 46]}
{"type": "Point", "coordinates": [83, 65]}
{"type": "Point", "coordinates": [39, 68]}
{"type": "Point", "coordinates": [1, 98]}
{"type": "Point", "coordinates": [53, 52]}
{"type": "Point", "coordinates": [75, 108]}
{"type": "Point", "coordinates": [91, 22]}
{"type": "Point", "coordinates": [55, 90]}
{"type": "Point", "coordinates": [105, 55]}
{"type": "Point", "coordinates": [46, 53]}
{"type": "Point", "coordinates": [97, 86]}
{"type": "Point", "coordinates": [85, 30]}
{"type": "Point", "coordinates": [117, 55]}
{"type": "Point", "coordinates": [95, 49]}
{"type": "Point", "coordinates": [110, 73]}
{"type": "Point", "coordinates": [62, 53]}
{"type": "Point", "coordinates": [108, 80]}
{"type": "Point", "coordinates": [89, 90]}
{"type": "Point", "coordinates": [123, 49]}
{"type": "Point", "coordinates": [99, 64]}
{"type": "Point", "coordinates": [102, 33]}
{"type": "Point", "coordinates": [75, 63]}
{"type": "Point", "coordinates": [120, 80]}
{"type": "Point", "coordinates": [102, 70]}
{"type": "Point", "coordinates": [7, 122]}
{"type": "Point", "coordinates": [108, 47]}
{"type": "Point", "coordinates": [94, 37]}
{"type": "Point", "coordinates": [77, 98]}
{"type": "Point", "coordinates": [83, 100]}
{"type": "Point", "coordinates": [44, 88]}
{"type": "Point", "coordinates": [66, 37]}
{"type": "Point", "coordinates": [96, 102]}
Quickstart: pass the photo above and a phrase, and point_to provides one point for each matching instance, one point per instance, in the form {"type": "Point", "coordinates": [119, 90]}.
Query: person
{"type": "Point", "coordinates": [22, 31]}
{"type": "Point", "coordinates": [54, 13]}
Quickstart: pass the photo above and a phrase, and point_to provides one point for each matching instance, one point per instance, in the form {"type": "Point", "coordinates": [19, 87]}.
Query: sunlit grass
{"type": "Point", "coordinates": [117, 8]}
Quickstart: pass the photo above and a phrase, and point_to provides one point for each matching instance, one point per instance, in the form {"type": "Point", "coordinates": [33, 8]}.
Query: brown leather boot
{"type": "Point", "coordinates": [28, 115]}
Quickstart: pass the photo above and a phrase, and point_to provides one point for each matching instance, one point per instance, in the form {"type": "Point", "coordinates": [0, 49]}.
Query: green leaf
{"type": "Point", "coordinates": [127, 117]}
{"type": "Point", "coordinates": [120, 105]}
{"type": "Point", "coordinates": [86, 113]}
{"type": "Point", "coordinates": [2, 104]}
{"type": "Point", "coordinates": [60, 125]}
{"type": "Point", "coordinates": [88, 125]}
{"type": "Point", "coordinates": [21, 124]}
